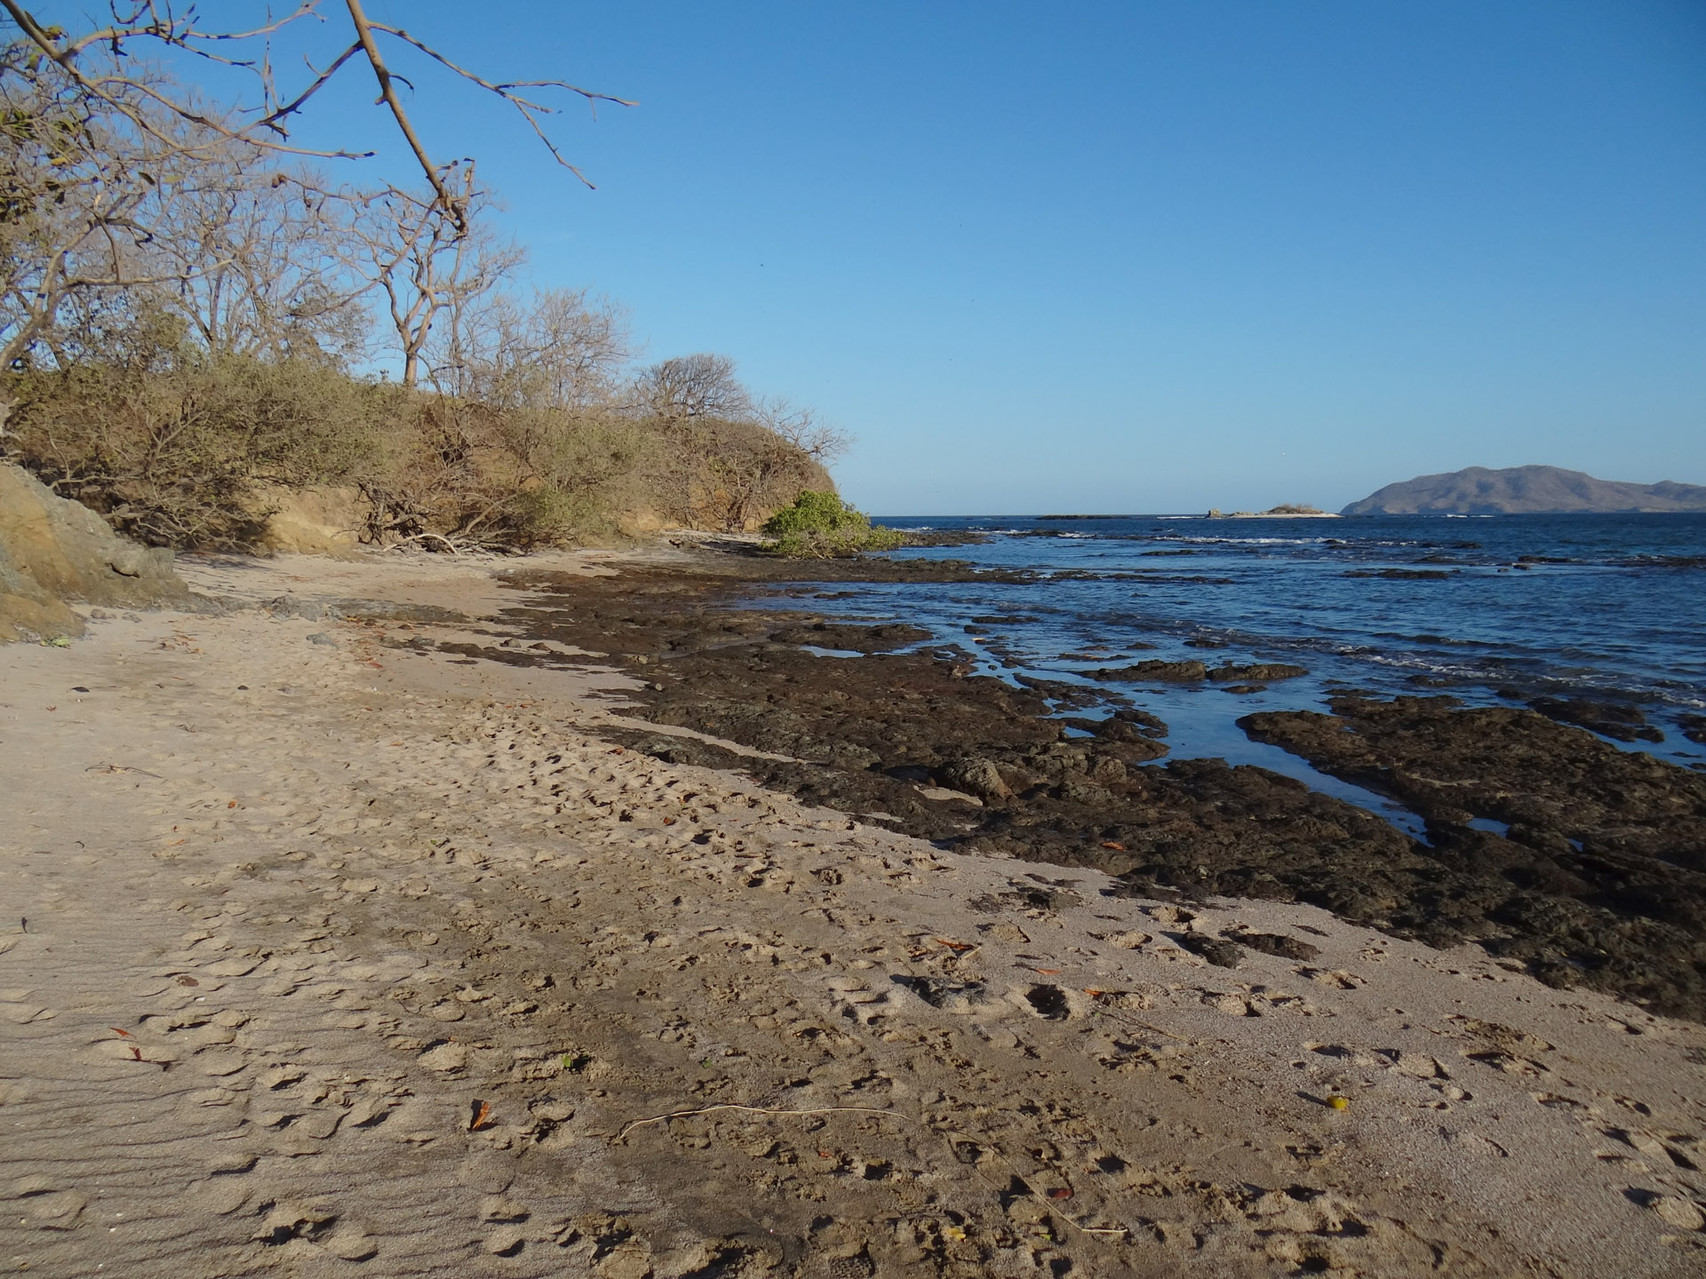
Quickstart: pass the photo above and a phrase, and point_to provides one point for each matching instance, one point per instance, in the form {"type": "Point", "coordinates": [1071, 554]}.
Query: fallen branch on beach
{"type": "Point", "coordinates": [756, 1110]}
{"type": "Point", "coordinates": [452, 545]}
{"type": "Point", "coordinates": [121, 768]}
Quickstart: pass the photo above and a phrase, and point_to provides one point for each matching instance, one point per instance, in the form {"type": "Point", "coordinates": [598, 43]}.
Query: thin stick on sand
{"type": "Point", "coordinates": [756, 1110]}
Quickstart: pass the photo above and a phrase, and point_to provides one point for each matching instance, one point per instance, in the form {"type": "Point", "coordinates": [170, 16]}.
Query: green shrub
{"type": "Point", "coordinates": [822, 526]}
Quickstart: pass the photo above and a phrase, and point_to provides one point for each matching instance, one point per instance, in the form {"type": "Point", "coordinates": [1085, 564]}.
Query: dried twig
{"type": "Point", "coordinates": [120, 768]}
{"type": "Point", "coordinates": [757, 1110]}
{"type": "Point", "coordinates": [452, 545]}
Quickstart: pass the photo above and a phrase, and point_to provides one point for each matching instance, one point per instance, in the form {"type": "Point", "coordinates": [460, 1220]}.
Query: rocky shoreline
{"type": "Point", "coordinates": [360, 928]}
{"type": "Point", "coordinates": [1556, 852]}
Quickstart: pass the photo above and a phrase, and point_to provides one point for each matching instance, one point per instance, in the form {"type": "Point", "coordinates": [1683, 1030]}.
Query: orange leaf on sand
{"type": "Point", "coordinates": [117, 1031]}
{"type": "Point", "coordinates": [376, 666]}
{"type": "Point", "coordinates": [135, 1053]}
{"type": "Point", "coordinates": [1060, 1192]}
{"type": "Point", "coordinates": [956, 945]}
{"type": "Point", "coordinates": [481, 1115]}
{"type": "Point", "coordinates": [232, 804]}
{"type": "Point", "coordinates": [1113, 844]}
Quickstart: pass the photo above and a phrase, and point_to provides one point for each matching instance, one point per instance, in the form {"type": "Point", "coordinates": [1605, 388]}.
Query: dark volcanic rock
{"type": "Point", "coordinates": [1597, 883]}
{"type": "Point", "coordinates": [1256, 672]}
{"type": "Point", "coordinates": [1065, 696]}
{"type": "Point", "coordinates": [1401, 574]}
{"type": "Point", "coordinates": [1608, 719]}
{"type": "Point", "coordinates": [1170, 672]}
{"type": "Point", "coordinates": [1217, 950]}
{"type": "Point", "coordinates": [1275, 944]}
{"type": "Point", "coordinates": [1128, 724]}
{"type": "Point", "coordinates": [852, 637]}
{"type": "Point", "coordinates": [974, 776]}
{"type": "Point", "coordinates": [1601, 877]}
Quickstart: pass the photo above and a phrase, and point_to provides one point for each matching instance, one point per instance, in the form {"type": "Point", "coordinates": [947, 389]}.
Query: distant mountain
{"type": "Point", "coordinates": [1525, 490]}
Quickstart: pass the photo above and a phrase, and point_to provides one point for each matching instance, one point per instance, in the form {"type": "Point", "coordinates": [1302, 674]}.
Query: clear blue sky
{"type": "Point", "coordinates": [1133, 256]}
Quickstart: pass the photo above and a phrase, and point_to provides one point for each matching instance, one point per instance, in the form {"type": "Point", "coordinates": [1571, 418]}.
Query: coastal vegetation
{"type": "Point", "coordinates": [819, 525]}
{"type": "Point", "coordinates": [196, 324]}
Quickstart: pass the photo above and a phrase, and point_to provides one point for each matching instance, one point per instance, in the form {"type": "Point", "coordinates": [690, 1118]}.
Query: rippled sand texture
{"type": "Point", "coordinates": [322, 958]}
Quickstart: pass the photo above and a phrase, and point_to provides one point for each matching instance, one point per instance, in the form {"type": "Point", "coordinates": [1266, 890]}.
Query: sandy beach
{"type": "Point", "coordinates": [322, 954]}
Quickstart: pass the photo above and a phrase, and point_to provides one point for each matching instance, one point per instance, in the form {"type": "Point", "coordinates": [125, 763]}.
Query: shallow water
{"type": "Point", "coordinates": [1494, 610]}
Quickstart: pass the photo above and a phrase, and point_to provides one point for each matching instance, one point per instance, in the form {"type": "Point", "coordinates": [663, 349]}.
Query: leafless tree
{"type": "Point", "coordinates": [559, 349]}
{"type": "Point", "coordinates": [92, 131]}
{"type": "Point", "coordinates": [250, 255]}
{"type": "Point", "coordinates": [79, 199]}
{"type": "Point", "coordinates": [428, 264]}
{"type": "Point", "coordinates": [801, 428]}
{"type": "Point", "coordinates": [692, 386]}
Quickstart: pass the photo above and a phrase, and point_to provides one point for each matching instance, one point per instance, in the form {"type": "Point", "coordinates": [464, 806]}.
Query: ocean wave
{"type": "Point", "coordinates": [1250, 541]}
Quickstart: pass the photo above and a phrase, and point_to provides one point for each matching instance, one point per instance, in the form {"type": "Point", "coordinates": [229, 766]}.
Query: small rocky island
{"type": "Point", "coordinates": [1526, 490]}
{"type": "Point", "coordinates": [1284, 511]}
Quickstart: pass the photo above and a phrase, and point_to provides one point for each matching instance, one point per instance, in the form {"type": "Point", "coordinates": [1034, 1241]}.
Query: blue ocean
{"type": "Point", "coordinates": [1493, 610]}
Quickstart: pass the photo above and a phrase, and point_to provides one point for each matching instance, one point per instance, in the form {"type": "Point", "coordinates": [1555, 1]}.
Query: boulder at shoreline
{"type": "Point", "coordinates": [53, 550]}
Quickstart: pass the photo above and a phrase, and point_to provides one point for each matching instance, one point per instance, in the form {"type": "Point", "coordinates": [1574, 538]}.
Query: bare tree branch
{"type": "Point", "coordinates": [272, 119]}
{"type": "Point", "coordinates": [388, 95]}
{"type": "Point", "coordinates": [528, 109]}
{"type": "Point", "coordinates": [152, 21]}
{"type": "Point", "coordinates": [110, 88]}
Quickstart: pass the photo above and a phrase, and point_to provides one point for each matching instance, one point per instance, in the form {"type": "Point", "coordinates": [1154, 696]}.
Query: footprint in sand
{"type": "Point", "coordinates": [1336, 978]}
